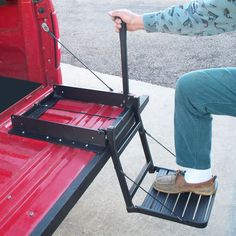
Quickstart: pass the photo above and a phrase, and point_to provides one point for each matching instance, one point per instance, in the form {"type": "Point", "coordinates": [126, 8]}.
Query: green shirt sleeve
{"type": "Point", "coordinates": [199, 17]}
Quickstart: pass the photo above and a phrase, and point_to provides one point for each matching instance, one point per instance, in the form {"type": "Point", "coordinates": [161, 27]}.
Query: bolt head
{"type": "Point", "coordinates": [31, 213]}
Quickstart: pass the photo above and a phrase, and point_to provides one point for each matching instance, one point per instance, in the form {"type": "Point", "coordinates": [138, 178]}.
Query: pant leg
{"type": "Point", "coordinates": [198, 95]}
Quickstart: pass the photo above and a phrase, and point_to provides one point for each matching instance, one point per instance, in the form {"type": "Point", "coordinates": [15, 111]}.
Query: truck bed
{"type": "Point", "coordinates": [12, 90]}
{"type": "Point", "coordinates": [41, 181]}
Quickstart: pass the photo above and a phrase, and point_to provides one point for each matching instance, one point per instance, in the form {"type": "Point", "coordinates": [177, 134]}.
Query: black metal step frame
{"type": "Point", "coordinates": [194, 206]}
{"type": "Point", "coordinates": [29, 124]}
{"type": "Point", "coordinates": [118, 143]}
{"type": "Point", "coordinates": [185, 208]}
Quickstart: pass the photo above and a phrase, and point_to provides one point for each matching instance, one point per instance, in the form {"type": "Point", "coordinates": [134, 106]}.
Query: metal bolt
{"type": "Point", "coordinates": [124, 101]}
{"type": "Point", "coordinates": [60, 140]}
{"type": "Point", "coordinates": [73, 143]}
{"type": "Point", "coordinates": [9, 197]}
{"type": "Point", "coordinates": [86, 145]}
{"type": "Point", "coordinates": [47, 137]}
{"type": "Point", "coordinates": [31, 213]}
{"type": "Point", "coordinates": [92, 138]}
{"type": "Point", "coordinates": [41, 10]}
{"type": "Point", "coordinates": [62, 92]}
{"type": "Point", "coordinates": [49, 60]}
{"type": "Point", "coordinates": [23, 132]}
{"type": "Point", "coordinates": [121, 105]}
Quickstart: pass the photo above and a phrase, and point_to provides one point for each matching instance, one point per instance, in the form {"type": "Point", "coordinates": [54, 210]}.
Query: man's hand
{"type": "Point", "coordinates": [133, 21]}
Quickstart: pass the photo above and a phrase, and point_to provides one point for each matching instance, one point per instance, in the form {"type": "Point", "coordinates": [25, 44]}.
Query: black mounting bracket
{"type": "Point", "coordinates": [30, 125]}
{"type": "Point", "coordinates": [94, 140]}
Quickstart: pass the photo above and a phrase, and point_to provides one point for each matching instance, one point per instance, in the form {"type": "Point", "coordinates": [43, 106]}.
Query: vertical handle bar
{"type": "Point", "coordinates": [124, 58]}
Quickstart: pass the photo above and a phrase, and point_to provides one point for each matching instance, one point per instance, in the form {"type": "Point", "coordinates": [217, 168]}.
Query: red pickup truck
{"type": "Point", "coordinates": [54, 139]}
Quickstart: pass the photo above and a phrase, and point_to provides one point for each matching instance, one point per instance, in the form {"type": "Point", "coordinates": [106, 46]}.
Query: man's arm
{"type": "Point", "coordinates": [199, 17]}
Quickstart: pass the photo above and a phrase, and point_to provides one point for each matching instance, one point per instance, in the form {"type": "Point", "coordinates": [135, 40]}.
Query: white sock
{"type": "Point", "coordinates": [194, 176]}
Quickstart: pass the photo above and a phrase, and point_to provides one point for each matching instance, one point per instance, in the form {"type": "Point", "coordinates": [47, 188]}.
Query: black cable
{"type": "Point", "coordinates": [46, 29]}
{"type": "Point", "coordinates": [149, 135]}
{"type": "Point", "coordinates": [80, 112]}
{"type": "Point", "coordinates": [163, 205]}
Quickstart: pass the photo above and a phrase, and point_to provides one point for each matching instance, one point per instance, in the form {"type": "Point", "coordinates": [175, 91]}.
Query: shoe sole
{"type": "Point", "coordinates": [195, 192]}
{"type": "Point", "coordinates": [199, 192]}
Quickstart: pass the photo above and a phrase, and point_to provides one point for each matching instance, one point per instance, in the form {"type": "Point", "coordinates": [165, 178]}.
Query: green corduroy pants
{"type": "Point", "coordinates": [199, 94]}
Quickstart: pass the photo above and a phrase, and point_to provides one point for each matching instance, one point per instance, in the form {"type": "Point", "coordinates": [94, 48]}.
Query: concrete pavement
{"type": "Point", "coordinates": [101, 210]}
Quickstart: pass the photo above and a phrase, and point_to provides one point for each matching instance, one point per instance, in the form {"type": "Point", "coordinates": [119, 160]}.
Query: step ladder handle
{"type": "Point", "coordinates": [124, 57]}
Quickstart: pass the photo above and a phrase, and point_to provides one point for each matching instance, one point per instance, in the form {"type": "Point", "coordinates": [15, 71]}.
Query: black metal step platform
{"type": "Point", "coordinates": [186, 208]}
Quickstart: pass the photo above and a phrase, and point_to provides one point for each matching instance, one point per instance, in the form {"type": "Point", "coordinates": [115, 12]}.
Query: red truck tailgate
{"type": "Point", "coordinates": [34, 175]}
{"type": "Point", "coordinates": [38, 177]}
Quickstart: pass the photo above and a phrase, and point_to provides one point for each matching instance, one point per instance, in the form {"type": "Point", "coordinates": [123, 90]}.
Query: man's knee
{"type": "Point", "coordinates": [185, 82]}
{"type": "Point", "coordinates": [187, 85]}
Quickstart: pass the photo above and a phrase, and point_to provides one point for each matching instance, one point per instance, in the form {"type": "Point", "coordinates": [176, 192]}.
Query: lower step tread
{"type": "Point", "coordinates": [186, 208]}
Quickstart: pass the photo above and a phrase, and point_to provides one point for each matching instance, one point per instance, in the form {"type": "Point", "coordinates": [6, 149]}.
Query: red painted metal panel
{"type": "Point", "coordinates": [29, 189]}
{"type": "Point", "coordinates": [26, 51]}
{"type": "Point", "coordinates": [81, 114]}
{"type": "Point", "coordinates": [34, 174]}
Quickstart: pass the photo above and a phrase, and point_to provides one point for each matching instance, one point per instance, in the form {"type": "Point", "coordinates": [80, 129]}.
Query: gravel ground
{"type": "Point", "coordinates": [155, 58]}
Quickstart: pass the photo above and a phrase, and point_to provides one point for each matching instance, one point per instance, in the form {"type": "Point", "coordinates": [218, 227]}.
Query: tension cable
{"type": "Point", "coordinates": [144, 190]}
{"type": "Point", "coordinates": [46, 29]}
{"type": "Point", "coordinates": [168, 150]}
